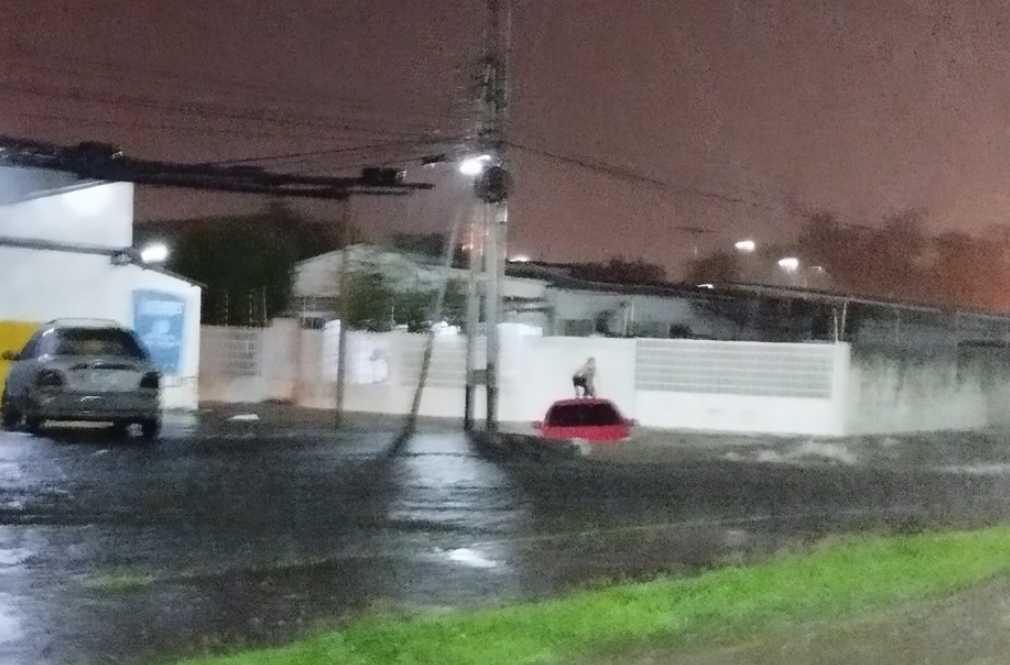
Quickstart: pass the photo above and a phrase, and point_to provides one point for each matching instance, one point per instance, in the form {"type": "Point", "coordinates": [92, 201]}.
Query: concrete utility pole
{"type": "Point", "coordinates": [343, 309]}
{"type": "Point", "coordinates": [491, 187]}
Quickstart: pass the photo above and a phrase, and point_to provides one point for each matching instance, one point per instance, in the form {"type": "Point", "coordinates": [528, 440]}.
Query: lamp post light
{"type": "Point", "coordinates": [154, 253]}
{"type": "Point", "coordinates": [474, 166]}
{"type": "Point", "coordinates": [745, 246]}
{"type": "Point", "coordinates": [790, 264]}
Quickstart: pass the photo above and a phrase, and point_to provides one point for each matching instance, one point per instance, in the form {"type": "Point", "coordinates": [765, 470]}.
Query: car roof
{"type": "Point", "coordinates": [83, 323]}
{"type": "Point", "coordinates": [580, 401]}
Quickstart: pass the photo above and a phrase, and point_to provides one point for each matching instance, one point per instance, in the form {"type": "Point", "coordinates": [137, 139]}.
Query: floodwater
{"type": "Point", "coordinates": [243, 533]}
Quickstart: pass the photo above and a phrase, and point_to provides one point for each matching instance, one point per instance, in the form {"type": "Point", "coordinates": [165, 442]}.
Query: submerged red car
{"type": "Point", "coordinates": [590, 419]}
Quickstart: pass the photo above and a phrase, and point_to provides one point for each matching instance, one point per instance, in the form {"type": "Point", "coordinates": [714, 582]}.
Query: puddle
{"type": "Point", "coordinates": [471, 558]}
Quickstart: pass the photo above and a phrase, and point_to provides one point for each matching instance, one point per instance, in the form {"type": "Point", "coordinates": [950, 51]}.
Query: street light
{"type": "Point", "coordinates": [745, 246]}
{"type": "Point", "coordinates": [474, 166]}
{"type": "Point", "coordinates": [789, 264]}
{"type": "Point", "coordinates": [154, 253]}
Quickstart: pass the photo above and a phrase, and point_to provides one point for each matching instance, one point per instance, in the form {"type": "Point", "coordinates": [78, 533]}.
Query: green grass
{"type": "Point", "coordinates": [120, 581]}
{"type": "Point", "coordinates": [836, 580]}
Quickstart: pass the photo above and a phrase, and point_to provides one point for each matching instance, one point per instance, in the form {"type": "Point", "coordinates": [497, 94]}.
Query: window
{"type": "Point", "coordinates": [32, 348]}
{"type": "Point", "coordinates": [96, 342]}
{"type": "Point", "coordinates": [598, 414]}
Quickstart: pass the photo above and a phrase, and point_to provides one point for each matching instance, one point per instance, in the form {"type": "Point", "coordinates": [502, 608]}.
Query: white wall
{"type": "Point", "coordinates": [891, 395]}
{"type": "Point", "coordinates": [742, 386]}
{"type": "Point", "coordinates": [38, 286]}
{"type": "Point", "coordinates": [47, 205]}
{"type": "Point", "coordinates": [807, 397]}
{"type": "Point", "coordinates": [536, 371]}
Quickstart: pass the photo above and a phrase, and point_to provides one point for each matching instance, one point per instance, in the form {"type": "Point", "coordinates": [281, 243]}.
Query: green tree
{"type": "Point", "coordinates": [374, 305]}
{"type": "Point", "coordinates": [241, 261]}
{"type": "Point", "coordinates": [619, 270]}
{"type": "Point", "coordinates": [719, 268]}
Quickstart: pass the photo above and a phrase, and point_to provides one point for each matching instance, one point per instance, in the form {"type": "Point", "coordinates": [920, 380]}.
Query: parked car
{"type": "Point", "coordinates": [589, 419]}
{"type": "Point", "coordinates": [82, 370]}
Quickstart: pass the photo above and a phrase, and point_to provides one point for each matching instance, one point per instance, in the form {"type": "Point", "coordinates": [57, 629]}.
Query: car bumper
{"type": "Point", "coordinates": [96, 407]}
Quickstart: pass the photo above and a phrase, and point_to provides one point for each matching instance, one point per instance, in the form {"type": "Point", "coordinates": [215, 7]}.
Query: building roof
{"type": "Point", "coordinates": [559, 276]}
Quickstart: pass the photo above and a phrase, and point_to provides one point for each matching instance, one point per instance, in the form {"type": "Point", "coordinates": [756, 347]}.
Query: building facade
{"type": "Point", "coordinates": [66, 252]}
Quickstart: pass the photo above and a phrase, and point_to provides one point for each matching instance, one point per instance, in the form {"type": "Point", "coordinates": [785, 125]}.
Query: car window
{"type": "Point", "coordinates": [31, 349]}
{"type": "Point", "coordinates": [97, 342]}
{"type": "Point", "coordinates": [581, 415]}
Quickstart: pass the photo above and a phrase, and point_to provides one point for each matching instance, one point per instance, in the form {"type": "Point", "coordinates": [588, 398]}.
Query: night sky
{"type": "Point", "coordinates": [750, 111]}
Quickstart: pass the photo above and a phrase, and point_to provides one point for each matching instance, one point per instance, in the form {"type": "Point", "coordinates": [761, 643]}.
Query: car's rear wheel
{"type": "Point", "coordinates": [10, 417]}
{"type": "Point", "coordinates": [150, 428]}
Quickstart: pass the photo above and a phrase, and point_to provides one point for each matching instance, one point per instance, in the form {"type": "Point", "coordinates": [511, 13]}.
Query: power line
{"type": "Point", "coordinates": [99, 122]}
{"type": "Point", "coordinates": [624, 173]}
{"type": "Point", "coordinates": [333, 151]}
{"type": "Point", "coordinates": [398, 160]}
{"type": "Point", "coordinates": [170, 78]}
{"type": "Point", "coordinates": [205, 110]}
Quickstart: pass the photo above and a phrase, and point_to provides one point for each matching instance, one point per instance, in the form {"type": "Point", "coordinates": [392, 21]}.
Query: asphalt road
{"type": "Point", "coordinates": [230, 534]}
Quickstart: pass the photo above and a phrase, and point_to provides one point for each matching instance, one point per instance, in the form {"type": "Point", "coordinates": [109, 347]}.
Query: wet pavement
{"type": "Point", "coordinates": [242, 533]}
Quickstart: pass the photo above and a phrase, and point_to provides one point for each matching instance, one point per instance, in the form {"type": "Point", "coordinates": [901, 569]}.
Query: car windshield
{"type": "Point", "coordinates": [582, 415]}
{"type": "Point", "coordinates": [97, 342]}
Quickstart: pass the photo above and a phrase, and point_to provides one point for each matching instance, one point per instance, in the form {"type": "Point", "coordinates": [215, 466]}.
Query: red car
{"type": "Point", "coordinates": [590, 419]}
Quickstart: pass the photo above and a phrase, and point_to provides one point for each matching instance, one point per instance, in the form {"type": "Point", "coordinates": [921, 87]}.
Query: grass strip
{"type": "Point", "coordinates": [837, 579]}
{"type": "Point", "coordinates": [120, 581]}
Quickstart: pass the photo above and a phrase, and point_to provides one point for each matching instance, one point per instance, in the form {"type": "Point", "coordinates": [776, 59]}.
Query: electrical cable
{"type": "Point", "coordinates": [216, 84]}
{"type": "Point", "coordinates": [624, 173]}
{"type": "Point", "coordinates": [206, 111]}
{"type": "Point", "coordinates": [161, 126]}
{"type": "Point", "coordinates": [330, 151]}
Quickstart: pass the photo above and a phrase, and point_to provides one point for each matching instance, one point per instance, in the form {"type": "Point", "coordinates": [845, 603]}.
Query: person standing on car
{"type": "Point", "coordinates": [585, 379]}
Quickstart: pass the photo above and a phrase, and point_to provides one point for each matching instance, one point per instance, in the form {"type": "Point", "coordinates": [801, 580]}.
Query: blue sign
{"type": "Point", "coordinates": [159, 320]}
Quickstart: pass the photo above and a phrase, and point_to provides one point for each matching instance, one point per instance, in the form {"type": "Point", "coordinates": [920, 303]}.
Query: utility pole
{"type": "Point", "coordinates": [491, 187]}
{"type": "Point", "coordinates": [475, 256]}
{"type": "Point", "coordinates": [343, 310]}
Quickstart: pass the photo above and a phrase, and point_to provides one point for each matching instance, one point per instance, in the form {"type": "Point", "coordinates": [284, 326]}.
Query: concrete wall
{"type": "Point", "coordinates": [784, 389]}
{"type": "Point", "coordinates": [890, 393]}
{"type": "Point", "coordinates": [47, 205]}
{"type": "Point", "coordinates": [38, 286]}
{"type": "Point", "coordinates": [742, 386]}
{"type": "Point", "coordinates": [749, 387]}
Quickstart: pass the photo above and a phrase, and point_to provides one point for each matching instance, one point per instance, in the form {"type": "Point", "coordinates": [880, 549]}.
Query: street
{"type": "Point", "coordinates": [250, 532]}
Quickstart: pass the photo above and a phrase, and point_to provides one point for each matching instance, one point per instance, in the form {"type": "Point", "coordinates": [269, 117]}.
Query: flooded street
{"type": "Point", "coordinates": [230, 534]}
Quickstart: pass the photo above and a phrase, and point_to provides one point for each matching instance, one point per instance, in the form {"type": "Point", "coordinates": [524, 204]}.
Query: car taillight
{"type": "Point", "coordinates": [151, 380]}
{"type": "Point", "coordinates": [50, 379]}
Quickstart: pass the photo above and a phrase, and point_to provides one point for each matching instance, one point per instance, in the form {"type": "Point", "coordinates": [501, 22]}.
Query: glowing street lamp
{"type": "Point", "coordinates": [154, 253]}
{"type": "Point", "coordinates": [789, 264]}
{"type": "Point", "coordinates": [745, 246]}
{"type": "Point", "coordinates": [474, 166]}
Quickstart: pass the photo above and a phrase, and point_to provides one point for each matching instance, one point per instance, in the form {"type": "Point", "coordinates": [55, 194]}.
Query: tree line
{"type": "Point", "coordinates": [897, 259]}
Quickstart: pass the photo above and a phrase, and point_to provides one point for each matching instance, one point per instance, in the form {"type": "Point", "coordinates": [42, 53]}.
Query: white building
{"type": "Point", "coordinates": [544, 298]}
{"type": "Point", "coordinates": [65, 248]}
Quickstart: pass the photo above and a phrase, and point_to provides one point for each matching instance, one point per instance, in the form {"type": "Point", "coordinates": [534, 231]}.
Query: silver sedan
{"type": "Point", "coordinates": [82, 370]}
